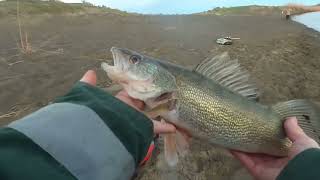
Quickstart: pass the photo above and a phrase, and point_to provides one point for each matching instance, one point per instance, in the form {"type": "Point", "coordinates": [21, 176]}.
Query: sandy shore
{"type": "Point", "coordinates": [282, 56]}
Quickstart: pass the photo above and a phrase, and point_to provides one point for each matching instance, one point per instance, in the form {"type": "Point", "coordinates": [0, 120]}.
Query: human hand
{"type": "Point", "coordinates": [90, 77]}
{"type": "Point", "coordinates": [265, 167]}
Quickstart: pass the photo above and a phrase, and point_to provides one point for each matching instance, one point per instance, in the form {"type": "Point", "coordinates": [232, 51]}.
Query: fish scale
{"type": "Point", "coordinates": [212, 117]}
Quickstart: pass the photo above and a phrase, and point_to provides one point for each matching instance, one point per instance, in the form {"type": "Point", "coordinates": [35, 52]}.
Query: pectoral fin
{"type": "Point", "coordinates": [170, 149]}
{"type": "Point", "coordinates": [175, 145]}
{"type": "Point", "coordinates": [182, 143]}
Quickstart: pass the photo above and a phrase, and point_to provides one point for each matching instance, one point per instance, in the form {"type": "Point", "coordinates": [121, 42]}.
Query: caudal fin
{"type": "Point", "coordinates": [307, 113]}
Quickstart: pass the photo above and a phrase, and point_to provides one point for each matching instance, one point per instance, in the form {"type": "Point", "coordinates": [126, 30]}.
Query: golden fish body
{"type": "Point", "coordinates": [224, 118]}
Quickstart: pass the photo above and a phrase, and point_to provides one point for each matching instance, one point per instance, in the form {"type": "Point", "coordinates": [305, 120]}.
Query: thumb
{"type": "Point", "coordinates": [90, 77]}
{"type": "Point", "coordinates": [293, 130]}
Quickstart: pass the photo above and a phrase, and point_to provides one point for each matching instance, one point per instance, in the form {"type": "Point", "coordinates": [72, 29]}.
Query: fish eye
{"type": "Point", "coordinates": [134, 59]}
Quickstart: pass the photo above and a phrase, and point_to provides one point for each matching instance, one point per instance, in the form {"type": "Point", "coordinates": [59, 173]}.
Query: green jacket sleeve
{"type": "Point", "coordinates": [86, 134]}
{"type": "Point", "coordinates": [304, 166]}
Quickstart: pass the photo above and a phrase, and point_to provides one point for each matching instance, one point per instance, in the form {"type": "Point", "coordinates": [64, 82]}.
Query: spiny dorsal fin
{"type": "Point", "coordinates": [307, 113]}
{"type": "Point", "coordinates": [228, 73]}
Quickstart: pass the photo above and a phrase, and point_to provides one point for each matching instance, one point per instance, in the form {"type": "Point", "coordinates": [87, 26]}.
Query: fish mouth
{"type": "Point", "coordinates": [119, 64]}
{"type": "Point", "coordinates": [118, 69]}
{"type": "Point", "coordinates": [119, 60]}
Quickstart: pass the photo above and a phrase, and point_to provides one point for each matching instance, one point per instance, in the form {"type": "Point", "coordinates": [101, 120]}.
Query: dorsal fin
{"type": "Point", "coordinates": [228, 73]}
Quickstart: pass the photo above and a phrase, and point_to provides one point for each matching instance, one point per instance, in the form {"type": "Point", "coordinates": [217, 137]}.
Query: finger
{"type": "Point", "coordinates": [90, 77]}
{"type": "Point", "coordinates": [245, 159]}
{"type": "Point", "coordinates": [160, 128]}
{"type": "Point", "coordinates": [137, 103]}
{"type": "Point", "coordinates": [122, 93]}
{"type": "Point", "coordinates": [293, 130]}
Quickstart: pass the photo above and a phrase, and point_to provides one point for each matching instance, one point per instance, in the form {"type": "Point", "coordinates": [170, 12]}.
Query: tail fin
{"type": "Point", "coordinates": [307, 113]}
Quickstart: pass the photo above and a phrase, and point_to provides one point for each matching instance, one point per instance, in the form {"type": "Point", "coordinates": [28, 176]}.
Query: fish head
{"type": "Point", "coordinates": [142, 77]}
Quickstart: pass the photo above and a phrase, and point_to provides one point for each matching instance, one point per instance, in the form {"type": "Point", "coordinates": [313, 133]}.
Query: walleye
{"type": "Point", "coordinates": [214, 102]}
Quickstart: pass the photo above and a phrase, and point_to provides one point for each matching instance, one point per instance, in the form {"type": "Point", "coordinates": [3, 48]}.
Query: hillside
{"type": "Point", "coordinates": [245, 10]}
{"type": "Point", "coordinates": [259, 10]}
{"type": "Point", "coordinates": [32, 7]}
{"type": "Point", "coordinates": [300, 9]}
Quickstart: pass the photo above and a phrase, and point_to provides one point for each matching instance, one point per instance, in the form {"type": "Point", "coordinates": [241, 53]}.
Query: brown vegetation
{"type": "Point", "coordinates": [300, 8]}
{"type": "Point", "coordinates": [25, 47]}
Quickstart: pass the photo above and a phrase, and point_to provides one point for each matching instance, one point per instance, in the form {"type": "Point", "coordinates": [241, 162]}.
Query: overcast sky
{"type": "Point", "coordinates": [184, 6]}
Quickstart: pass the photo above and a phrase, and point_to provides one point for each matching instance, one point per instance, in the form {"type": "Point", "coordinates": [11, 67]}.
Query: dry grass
{"type": "Point", "coordinates": [303, 8]}
{"type": "Point", "coordinates": [244, 10]}
{"type": "Point", "coordinates": [25, 46]}
{"type": "Point", "coordinates": [54, 7]}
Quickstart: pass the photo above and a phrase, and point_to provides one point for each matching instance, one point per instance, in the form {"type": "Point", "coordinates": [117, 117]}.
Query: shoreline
{"type": "Point", "coordinates": [310, 20]}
